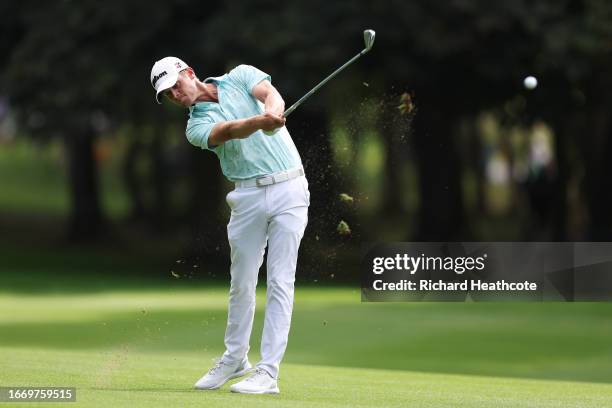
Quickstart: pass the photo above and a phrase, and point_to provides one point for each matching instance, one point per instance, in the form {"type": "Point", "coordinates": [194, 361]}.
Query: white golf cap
{"type": "Point", "coordinates": [164, 74]}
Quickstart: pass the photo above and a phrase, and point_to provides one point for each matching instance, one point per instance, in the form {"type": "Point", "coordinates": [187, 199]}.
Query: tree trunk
{"type": "Point", "coordinates": [133, 185]}
{"type": "Point", "coordinates": [441, 204]}
{"type": "Point", "coordinates": [390, 128]}
{"type": "Point", "coordinates": [597, 176]}
{"type": "Point", "coordinates": [311, 136]}
{"type": "Point", "coordinates": [205, 220]}
{"type": "Point", "coordinates": [560, 188]}
{"type": "Point", "coordinates": [159, 180]}
{"type": "Point", "coordinates": [602, 228]}
{"type": "Point", "coordinates": [86, 222]}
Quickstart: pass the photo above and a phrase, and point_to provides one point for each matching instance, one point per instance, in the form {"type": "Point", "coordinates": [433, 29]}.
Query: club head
{"type": "Point", "coordinates": [368, 38]}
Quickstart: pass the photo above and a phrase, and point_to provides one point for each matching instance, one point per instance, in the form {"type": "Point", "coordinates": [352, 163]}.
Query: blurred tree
{"type": "Point", "coordinates": [575, 63]}
{"type": "Point", "coordinates": [462, 57]}
{"type": "Point", "coordinates": [77, 69]}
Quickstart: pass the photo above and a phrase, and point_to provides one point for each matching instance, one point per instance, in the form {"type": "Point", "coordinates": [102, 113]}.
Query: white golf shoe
{"type": "Point", "coordinates": [260, 382]}
{"type": "Point", "coordinates": [221, 373]}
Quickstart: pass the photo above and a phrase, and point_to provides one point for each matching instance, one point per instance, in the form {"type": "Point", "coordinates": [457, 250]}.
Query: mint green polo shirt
{"type": "Point", "coordinates": [241, 159]}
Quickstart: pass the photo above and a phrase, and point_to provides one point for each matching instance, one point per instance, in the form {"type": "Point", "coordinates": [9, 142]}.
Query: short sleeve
{"type": "Point", "coordinates": [198, 130]}
{"type": "Point", "coordinates": [248, 76]}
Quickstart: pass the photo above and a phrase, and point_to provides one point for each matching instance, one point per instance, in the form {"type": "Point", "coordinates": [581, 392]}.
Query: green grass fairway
{"type": "Point", "coordinates": [145, 348]}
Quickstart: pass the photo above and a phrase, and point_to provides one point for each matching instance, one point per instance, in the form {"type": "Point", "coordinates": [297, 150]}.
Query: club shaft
{"type": "Point", "coordinates": [323, 82]}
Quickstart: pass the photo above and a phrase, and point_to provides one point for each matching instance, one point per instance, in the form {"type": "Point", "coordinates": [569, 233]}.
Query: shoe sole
{"type": "Point", "coordinates": [236, 375]}
{"type": "Point", "coordinates": [271, 391]}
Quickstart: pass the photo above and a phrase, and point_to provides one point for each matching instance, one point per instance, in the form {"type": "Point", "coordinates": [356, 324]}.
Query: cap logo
{"type": "Point", "coordinates": [156, 77]}
{"type": "Point", "coordinates": [178, 65]}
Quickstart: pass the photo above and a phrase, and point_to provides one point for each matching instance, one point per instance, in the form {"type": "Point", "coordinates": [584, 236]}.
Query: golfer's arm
{"type": "Point", "coordinates": [233, 129]}
{"type": "Point", "coordinates": [273, 101]}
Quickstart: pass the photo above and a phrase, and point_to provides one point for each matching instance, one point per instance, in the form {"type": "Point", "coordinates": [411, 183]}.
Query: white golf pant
{"type": "Point", "coordinates": [276, 214]}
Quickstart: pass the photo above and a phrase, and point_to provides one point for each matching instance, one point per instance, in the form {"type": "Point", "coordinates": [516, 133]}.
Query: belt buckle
{"type": "Point", "coordinates": [259, 182]}
{"type": "Point", "coordinates": [280, 177]}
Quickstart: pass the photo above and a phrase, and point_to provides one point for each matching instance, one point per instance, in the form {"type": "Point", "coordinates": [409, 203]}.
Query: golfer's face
{"type": "Point", "coordinates": [184, 90]}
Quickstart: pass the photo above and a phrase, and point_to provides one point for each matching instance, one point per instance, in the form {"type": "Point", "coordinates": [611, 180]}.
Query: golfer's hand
{"type": "Point", "coordinates": [276, 110]}
{"type": "Point", "coordinates": [269, 122]}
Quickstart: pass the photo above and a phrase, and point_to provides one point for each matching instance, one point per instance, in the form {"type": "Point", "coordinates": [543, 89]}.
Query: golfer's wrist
{"type": "Point", "coordinates": [262, 122]}
{"type": "Point", "coordinates": [276, 110]}
{"type": "Point", "coordinates": [258, 122]}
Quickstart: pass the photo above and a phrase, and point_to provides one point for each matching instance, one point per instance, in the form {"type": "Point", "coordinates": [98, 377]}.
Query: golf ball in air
{"type": "Point", "coordinates": [530, 82]}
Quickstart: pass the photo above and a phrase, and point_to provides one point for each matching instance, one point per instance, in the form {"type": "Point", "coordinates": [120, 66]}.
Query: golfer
{"type": "Point", "coordinates": [228, 115]}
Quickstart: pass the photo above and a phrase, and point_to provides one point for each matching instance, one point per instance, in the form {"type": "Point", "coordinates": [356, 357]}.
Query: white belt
{"type": "Point", "coordinates": [271, 178]}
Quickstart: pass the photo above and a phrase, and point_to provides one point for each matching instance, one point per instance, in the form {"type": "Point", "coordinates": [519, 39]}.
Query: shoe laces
{"type": "Point", "coordinates": [258, 372]}
{"type": "Point", "coordinates": [216, 367]}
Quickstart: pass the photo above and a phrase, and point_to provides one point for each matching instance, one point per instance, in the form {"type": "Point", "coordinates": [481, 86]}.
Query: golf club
{"type": "Point", "coordinates": [368, 38]}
